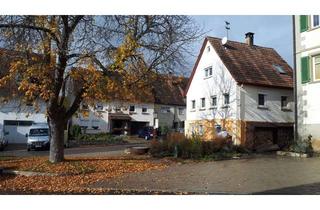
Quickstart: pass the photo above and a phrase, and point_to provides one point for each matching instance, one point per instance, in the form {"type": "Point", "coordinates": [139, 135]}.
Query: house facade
{"type": "Point", "coordinates": [307, 60]}
{"type": "Point", "coordinates": [164, 109]}
{"type": "Point", "coordinates": [16, 119]}
{"type": "Point", "coordinates": [242, 88]}
{"type": "Point", "coordinates": [115, 117]}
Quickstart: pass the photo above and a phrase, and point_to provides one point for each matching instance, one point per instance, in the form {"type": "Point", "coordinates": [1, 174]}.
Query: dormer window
{"type": "Point", "coordinates": [279, 69]}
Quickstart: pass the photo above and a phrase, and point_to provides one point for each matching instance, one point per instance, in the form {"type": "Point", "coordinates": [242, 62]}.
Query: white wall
{"type": "Point", "coordinates": [272, 112]}
{"type": "Point", "coordinates": [220, 82]}
{"type": "Point", "coordinates": [13, 110]}
{"type": "Point", "coordinates": [101, 118]}
{"type": "Point", "coordinates": [308, 103]}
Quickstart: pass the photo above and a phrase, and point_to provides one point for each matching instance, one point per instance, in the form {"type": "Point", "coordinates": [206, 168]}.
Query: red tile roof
{"type": "Point", "coordinates": [252, 65]}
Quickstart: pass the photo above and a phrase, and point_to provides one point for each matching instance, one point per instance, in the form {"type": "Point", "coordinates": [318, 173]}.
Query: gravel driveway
{"type": "Point", "coordinates": [261, 175]}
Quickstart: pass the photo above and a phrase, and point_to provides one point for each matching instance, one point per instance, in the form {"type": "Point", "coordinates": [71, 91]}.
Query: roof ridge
{"type": "Point", "coordinates": [211, 37]}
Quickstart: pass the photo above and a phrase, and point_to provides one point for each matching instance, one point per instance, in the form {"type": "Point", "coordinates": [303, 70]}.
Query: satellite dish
{"type": "Point", "coordinates": [224, 40]}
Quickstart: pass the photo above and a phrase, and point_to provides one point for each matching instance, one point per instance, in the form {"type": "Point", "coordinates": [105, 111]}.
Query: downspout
{"type": "Point", "coordinates": [295, 94]}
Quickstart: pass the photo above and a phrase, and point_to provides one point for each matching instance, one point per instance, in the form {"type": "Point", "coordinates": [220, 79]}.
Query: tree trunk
{"type": "Point", "coordinates": [56, 140]}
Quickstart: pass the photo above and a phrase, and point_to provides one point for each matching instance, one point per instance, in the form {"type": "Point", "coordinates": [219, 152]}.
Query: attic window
{"type": "Point", "coordinates": [279, 69]}
{"type": "Point", "coordinates": [208, 49]}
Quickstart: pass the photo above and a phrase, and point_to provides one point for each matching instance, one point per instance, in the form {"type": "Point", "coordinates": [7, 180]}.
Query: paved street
{"type": "Point", "coordinates": [262, 175]}
{"type": "Point", "coordinates": [111, 150]}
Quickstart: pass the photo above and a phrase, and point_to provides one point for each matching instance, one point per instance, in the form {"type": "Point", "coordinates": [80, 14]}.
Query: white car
{"type": "Point", "coordinates": [38, 136]}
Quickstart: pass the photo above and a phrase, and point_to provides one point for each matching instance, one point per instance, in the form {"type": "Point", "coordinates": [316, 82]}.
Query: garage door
{"type": "Point", "coordinates": [16, 130]}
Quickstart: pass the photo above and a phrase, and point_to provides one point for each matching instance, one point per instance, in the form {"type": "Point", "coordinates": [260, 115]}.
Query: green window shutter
{"type": "Point", "coordinates": [303, 23]}
{"type": "Point", "coordinates": [305, 70]}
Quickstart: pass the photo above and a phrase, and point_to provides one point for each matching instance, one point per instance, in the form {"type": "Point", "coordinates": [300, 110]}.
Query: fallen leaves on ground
{"type": "Point", "coordinates": [75, 173]}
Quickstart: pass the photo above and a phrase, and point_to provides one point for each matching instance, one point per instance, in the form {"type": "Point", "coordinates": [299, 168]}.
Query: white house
{"type": "Point", "coordinates": [16, 119]}
{"type": "Point", "coordinates": [307, 60]}
{"type": "Point", "coordinates": [243, 88]}
{"type": "Point", "coordinates": [115, 117]}
{"type": "Point", "coordinates": [165, 108]}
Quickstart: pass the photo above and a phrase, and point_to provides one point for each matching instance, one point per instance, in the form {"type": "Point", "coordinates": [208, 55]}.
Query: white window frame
{"type": "Point", "coordinates": [193, 102]}
{"type": "Point", "coordinates": [211, 102]}
{"type": "Point", "coordinates": [224, 99]}
{"type": "Point", "coordinates": [201, 105]}
{"type": "Point", "coordinates": [312, 21]}
{"type": "Point", "coordinates": [134, 108]}
{"type": "Point", "coordinates": [180, 111]}
{"type": "Point", "coordinates": [144, 107]}
{"type": "Point", "coordinates": [208, 72]}
{"type": "Point", "coordinates": [314, 67]}
{"type": "Point", "coordinates": [286, 108]}
{"type": "Point", "coordinates": [265, 100]}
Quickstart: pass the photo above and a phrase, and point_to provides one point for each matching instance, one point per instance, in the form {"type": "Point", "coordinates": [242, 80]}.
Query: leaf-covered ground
{"type": "Point", "coordinates": [75, 174]}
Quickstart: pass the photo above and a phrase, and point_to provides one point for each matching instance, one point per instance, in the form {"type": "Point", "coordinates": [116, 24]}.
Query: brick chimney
{"type": "Point", "coordinates": [249, 38]}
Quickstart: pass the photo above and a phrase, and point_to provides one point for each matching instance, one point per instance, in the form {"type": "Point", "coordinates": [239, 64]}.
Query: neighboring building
{"type": "Point", "coordinates": [169, 103]}
{"type": "Point", "coordinates": [115, 117]}
{"type": "Point", "coordinates": [307, 60]}
{"type": "Point", "coordinates": [243, 88]}
{"type": "Point", "coordinates": [165, 108]}
{"type": "Point", "coordinates": [15, 117]}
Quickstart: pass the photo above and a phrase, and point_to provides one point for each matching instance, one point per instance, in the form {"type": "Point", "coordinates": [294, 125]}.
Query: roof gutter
{"type": "Point", "coordinates": [295, 98]}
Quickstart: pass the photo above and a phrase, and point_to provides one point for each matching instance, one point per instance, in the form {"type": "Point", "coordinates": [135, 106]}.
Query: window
{"type": "Point", "coordinates": [84, 106]}
{"type": "Point", "coordinates": [131, 108]}
{"type": "Point", "coordinates": [99, 107]}
{"type": "Point", "coordinates": [193, 104]}
{"type": "Point", "coordinates": [261, 100]}
{"type": "Point", "coordinates": [208, 72]}
{"type": "Point", "coordinates": [284, 102]}
{"type": "Point", "coordinates": [279, 69]}
{"type": "Point", "coordinates": [316, 68]}
{"type": "Point", "coordinates": [208, 49]}
{"type": "Point", "coordinates": [144, 109]}
{"type": "Point", "coordinates": [165, 109]}
{"type": "Point", "coordinates": [315, 21]}
{"type": "Point", "coordinates": [203, 102]}
{"type": "Point", "coordinates": [304, 23]}
{"type": "Point", "coordinates": [181, 111]}
{"type": "Point", "coordinates": [305, 72]}
{"type": "Point", "coordinates": [213, 101]}
{"type": "Point", "coordinates": [226, 98]}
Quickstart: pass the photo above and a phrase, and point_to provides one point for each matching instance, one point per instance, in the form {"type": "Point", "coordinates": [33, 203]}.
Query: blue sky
{"type": "Point", "coordinates": [270, 31]}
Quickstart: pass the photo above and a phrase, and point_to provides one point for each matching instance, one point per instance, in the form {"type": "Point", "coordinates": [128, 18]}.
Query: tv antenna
{"type": "Point", "coordinates": [227, 26]}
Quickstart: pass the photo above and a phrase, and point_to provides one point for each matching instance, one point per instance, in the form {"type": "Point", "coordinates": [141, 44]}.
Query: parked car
{"type": "Point", "coordinates": [146, 132]}
{"type": "Point", "coordinates": [3, 142]}
{"type": "Point", "coordinates": [38, 136]}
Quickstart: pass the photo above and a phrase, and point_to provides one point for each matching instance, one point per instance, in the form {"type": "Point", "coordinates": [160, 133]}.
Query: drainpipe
{"type": "Point", "coordinates": [295, 94]}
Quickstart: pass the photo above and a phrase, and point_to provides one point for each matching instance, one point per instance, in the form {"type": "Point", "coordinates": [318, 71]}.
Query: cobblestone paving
{"type": "Point", "coordinates": [261, 175]}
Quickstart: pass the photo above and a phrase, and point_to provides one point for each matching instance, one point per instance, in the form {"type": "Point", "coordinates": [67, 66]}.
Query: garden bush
{"type": "Point", "coordinates": [176, 144]}
{"type": "Point", "coordinates": [75, 131]}
{"type": "Point", "coordinates": [100, 138]}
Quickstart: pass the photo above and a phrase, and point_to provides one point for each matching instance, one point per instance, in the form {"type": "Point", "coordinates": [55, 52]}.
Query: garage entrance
{"type": "Point", "coordinates": [136, 126]}
{"type": "Point", "coordinates": [15, 131]}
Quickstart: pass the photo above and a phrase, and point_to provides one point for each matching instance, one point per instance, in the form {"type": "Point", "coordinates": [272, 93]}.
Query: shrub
{"type": "Point", "coordinates": [100, 138]}
{"type": "Point", "coordinates": [75, 131]}
{"type": "Point", "coordinates": [176, 144]}
{"type": "Point", "coordinates": [303, 146]}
